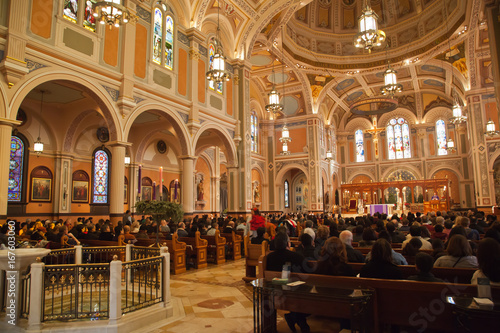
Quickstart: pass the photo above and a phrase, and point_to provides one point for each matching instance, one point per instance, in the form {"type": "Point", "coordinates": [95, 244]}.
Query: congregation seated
{"type": "Point", "coordinates": [212, 229]}
{"type": "Point", "coordinates": [229, 228]}
{"type": "Point", "coordinates": [353, 255]}
{"type": "Point", "coordinates": [106, 234]}
{"type": "Point", "coordinates": [129, 238]}
{"type": "Point", "coordinates": [334, 259]}
{"type": "Point", "coordinates": [143, 232]}
{"type": "Point", "coordinates": [471, 234]}
{"type": "Point", "coordinates": [438, 233]}
{"type": "Point", "coordinates": [459, 254]}
{"type": "Point", "coordinates": [282, 255]}
{"type": "Point", "coordinates": [181, 231]}
{"type": "Point", "coordinates": [164, 228]}
{"type": "Point", "coordinates": [396, 236]}
{"type": "Point", "coordinates": [437, 249]}
{"type": "Point", "coordinates": [424, 263]}
{"type": "Point", "coordinates": [358, 233]}
{"type": "Point", "coordinates": [321, 236]}
{"type": "Point", "coordinates": [488, 258]}
{"type": "Point", "coordinates": [118, 232]}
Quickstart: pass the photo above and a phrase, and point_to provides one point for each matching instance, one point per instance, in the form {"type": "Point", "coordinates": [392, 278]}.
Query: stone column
{"type": "Point", "coordinates": [5, 139]}
{"type": "Point", "coordinates": [314, 125]}
{"type": "Point", "coordinates": [232, 189]}
{"type": "Point", "coordinates": [117, 181]}
{"type": "Point", "coordinates": [216, 182]}
{"type": "Point", "coordinates": [63, 184]}
{"type": "Point", "coordinates": [194, 75]}
{"type": "Point", "coordinates": [187, 184]}
{"type": "Point", "coordinates": [133, 185]}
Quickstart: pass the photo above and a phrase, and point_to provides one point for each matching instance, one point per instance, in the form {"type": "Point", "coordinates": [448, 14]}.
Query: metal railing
{"type": "Point", "coordinates": [102, 254]}
{"type": "Point", "coordinates": [142, 252]}
{"type": "Point", "coordinates": [75, 291]}
{"type": "Point", "coordinates": [60, 257]}
{"type": "Point", "coordinates": [143, 283]}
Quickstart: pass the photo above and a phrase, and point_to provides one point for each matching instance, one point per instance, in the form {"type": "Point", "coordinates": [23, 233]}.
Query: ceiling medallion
{"type": "Point", "coordinates": [374, 106]}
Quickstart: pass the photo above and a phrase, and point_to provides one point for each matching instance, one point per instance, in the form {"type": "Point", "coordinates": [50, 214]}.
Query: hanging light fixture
{"type": "Point", "coordinates": [458, 117]}
{"type": "Point", "coordinates": [490, 129]}
{"type": "Point", "coordinates": [127, 159]}
{"type": "Point", "coordinates": [111, 12]}
{"type": "Point", "coordinates": [285, 138]}
{"type": "Point", "coordinates": [218, 73]}
{"type": "Point", "coordinates": [38, 146]}
{"type": "Point", "coordinates": [391, 82]}
{"type": "Point", "coordinates": [368, 36]}
{"type": "Point", "coordinates": [450, 146]}
{"type": "Point", "coordinates": [274, 105]}
{"type": "Point", "coordinates": [329, 156]}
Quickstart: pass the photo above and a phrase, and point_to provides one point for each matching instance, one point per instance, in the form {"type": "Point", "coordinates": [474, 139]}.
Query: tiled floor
{"type": "Point", "coordinates": [215, 299]}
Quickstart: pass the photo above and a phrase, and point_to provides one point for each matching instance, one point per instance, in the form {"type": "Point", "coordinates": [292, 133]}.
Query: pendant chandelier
{"type": "Point", "coordinates": [458, 117]}
{"type": "Point", "coordinates": [329, 156]}
{"type": "Point", "coordinates": [274, 105]}
{"type": "Point", "coordinates": [368, 36]}
{"type": "Point", "coordinates": [111, 12]}
{"type": "Point", "coordinates": [450, 146]}
{"type": "Point", "coordinates": [490, 129]}
{"type": "Point", "coordinates": [391, 82]}
{"type": "Point", "coordinates": [218, 72]}
{"type": "Point", "coordinates": [38, 146]}
{"type": "Point", "coordinates": [285, 138]}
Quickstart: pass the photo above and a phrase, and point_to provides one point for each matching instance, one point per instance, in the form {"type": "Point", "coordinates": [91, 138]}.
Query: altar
{"type": "Point", "coordinates": [380, 208]}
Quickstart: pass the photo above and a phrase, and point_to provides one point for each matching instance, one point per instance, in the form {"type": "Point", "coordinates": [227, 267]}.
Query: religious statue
{"type": "Point", "coordinates": [200, 190]}
{"type": "Point", "coordinates": [256, 193]}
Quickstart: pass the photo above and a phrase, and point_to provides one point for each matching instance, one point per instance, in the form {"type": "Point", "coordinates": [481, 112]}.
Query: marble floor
{"type": "Point", "coordinates": [216, 299]}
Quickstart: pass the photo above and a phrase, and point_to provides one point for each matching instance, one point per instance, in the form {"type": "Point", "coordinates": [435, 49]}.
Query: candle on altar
{"type": "Point", "coordinates": [161, 176]}
{"type": "Point", "coordinates": [139, 179]}
{"type": "Point", "coordinates": [154, 190]}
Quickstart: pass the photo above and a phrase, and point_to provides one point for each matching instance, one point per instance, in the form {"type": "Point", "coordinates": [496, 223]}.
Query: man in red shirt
{"type": "Point", "coordinates": [256, 222]}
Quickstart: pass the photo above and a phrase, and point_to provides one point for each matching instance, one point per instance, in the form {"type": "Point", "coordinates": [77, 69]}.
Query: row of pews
{"type": "Point", "coordinates": [200, 249]}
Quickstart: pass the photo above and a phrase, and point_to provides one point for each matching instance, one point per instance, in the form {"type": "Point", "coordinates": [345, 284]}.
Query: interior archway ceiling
{"type": "Point", "coordinates": [321, 34]}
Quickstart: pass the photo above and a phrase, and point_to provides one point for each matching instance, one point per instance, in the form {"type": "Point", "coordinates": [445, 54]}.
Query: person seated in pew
{"type": "Point", "coordinates": [181, 231]}
{"type": "Point", "coordinates": [488, 258]}
{"type": "Point", "coordinates": [437, 249]}
{"type": "Point", "coordinates": [106, 234]}
{"type": "Point", "coordinates": [272, 243]}
{"type": "Point", "coordinates": [229, 228]}
{"type": "Point", "coordinates": [369, 238]}
{"type": "Point", "coordinates": [143, 232]}
{"type": "Point", "coordinates": [275, 262]}
{"type": "Point", "coordinates": [396, 236]}
{"type": "Point", "coordinates": [321, 236]}
{"type": "Point", "coordinates": [412, 248]}
{"type": "Point", "coordinates": [438, 233]}
{"type": "Point", "coordinates": [397, 258]}
{"type": "Point", "coordinates": [416, 232]}
{"type": "Point", "coordinates": [261, 231]}
{"type": "Point", "coordinates": [91, 234]}
{"type": "Point", "coordinates": [306, 247]}
{"type": "Point", "coordinates": [459, 254]}
{"type": "Point", "coordinates": [424, 263]}
{"type": "Point", "coordinates": [164, 226]}
{"type": "Point", "coordinates": [381, 266]}
{"type": "Point", "coordinates": [212, 229]}
{"type": "Point", "coordinates": [353, 255]}
{"type": "Point", "coordinates": [358, 233]}
{"type": "Point", "coordinates": [333, 260]}
{"type": "Point", "coordinates": [129, 238]}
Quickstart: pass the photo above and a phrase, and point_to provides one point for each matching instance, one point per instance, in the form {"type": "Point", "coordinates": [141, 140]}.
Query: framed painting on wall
{"type": "Point", "coordinates": [125, 193]}
{"type": "Point", "coordinates": [147, 193]}
{"type": "Point", "coordinates": [41, 189]}
{"type": "Point", "coordinates": [80, 191]}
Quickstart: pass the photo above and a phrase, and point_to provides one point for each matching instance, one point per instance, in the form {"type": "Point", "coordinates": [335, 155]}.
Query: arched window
{"type": "Point", "coordinates": [101, 176]}
{"type": "Point", "coordinates": [211, 53]}
{"type": "Point", "coordinates": [16, 167]}
{"type": "Point", "coordinates": [441, 137]}
{"type": "Point", "coordinates": [163, 50]}
{"type": "Point", "coordinates": [360, 150]}
{"type": "Point", "coordinates": [254, 128]}
{"type": "Point", "coordinates": [398, 138]}
{"type": "Point", "coordinates": [287, 198]}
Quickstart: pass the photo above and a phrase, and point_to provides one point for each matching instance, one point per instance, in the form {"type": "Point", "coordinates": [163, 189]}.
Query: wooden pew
{"type": "Point", "coordinates": [97, 242]}
{"type": "Point", "coordinates": [176, 249]}
{"type": "Point", "coordinates": [216, 247]}
{"type": "Point", "coordinates": [197, 248]}
{"type": "Point", "coordinates": [253, 251]}
{"type": "Point", "coordinates": [396, 302]}
{"type": "Point", "coordinates": [234, 243]}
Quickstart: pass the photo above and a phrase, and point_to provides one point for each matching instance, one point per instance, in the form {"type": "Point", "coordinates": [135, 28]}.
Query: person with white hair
{"type": "Point", "coordinates": [353, 255]}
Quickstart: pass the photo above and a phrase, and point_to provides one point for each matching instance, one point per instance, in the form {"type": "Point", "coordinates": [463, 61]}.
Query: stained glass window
{"type": "Point", "coordinates": [16, 169]}
{"type": "Point", "coordinates": [360, 150]}
{"type": "Point", "coordinates": [287, 199]}
{"type": "Point", "coordinates": [101, 173]}
{"type": "Point", "coordinates": [157, 35]}
{"type": "Point", "coordinates": [211, 53]}
{"type": "Point", "coordinates": [441, 137]}
{"type": "Point", "coordinates": [70, 11]}
{"type": "Point", "coordinates": [254, 131]}
{"type": "Point", "coordinates": [398, 138]}
{"type": "Point", "coordinates": [88, 17]}
{"type": "Point", "coordinates": [169, 43]}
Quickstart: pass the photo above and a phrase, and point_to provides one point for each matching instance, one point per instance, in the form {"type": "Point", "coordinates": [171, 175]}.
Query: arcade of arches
{"type": "Point", "coordinates": [95, 95]}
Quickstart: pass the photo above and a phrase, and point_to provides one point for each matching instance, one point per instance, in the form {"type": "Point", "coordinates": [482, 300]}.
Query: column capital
{"type": "Point", "coordinates": [10, 122]}
{"type": "Point", "coordinates": [119, 144]}
{"type": "Point", "coordinates": [187, 157]}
